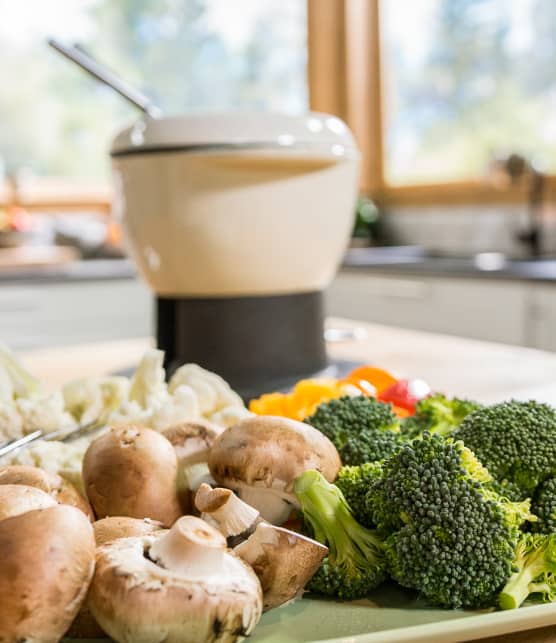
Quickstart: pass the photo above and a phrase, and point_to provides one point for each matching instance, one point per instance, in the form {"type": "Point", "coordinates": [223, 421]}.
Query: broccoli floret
{"type": "Point", "coordinates": [361, 428]}
{"type": "Point", "coordinates": [507, 489]}
{"type": "Point", "coordinates": [447, 535]}
{"type": "Point", "coordinates": [516, 441]}
{"type": "Point", "coordinates": [544, 507]}
{"type": "Point", "coordinates": [437, 414]}
{"type": "Point", "coordinates": [535, 571]}
{"type": "Point", "coordinates": [355, 564]}
{"type": "Point", "coordinates": [354, 482]}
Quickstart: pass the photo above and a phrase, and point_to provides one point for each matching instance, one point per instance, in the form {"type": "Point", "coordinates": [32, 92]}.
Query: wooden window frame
{"type": "Point", "coordinates": [345, 79]}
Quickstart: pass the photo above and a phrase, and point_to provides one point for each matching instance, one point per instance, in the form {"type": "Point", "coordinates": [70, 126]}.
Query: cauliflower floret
{"type": "Point", "coordinates": [230, 415]}
{"type": "Point", "coordinates": [148, 382]}
{"type": "Point", "coordinates": [214, 393]}
{"type": "Point", "coordinates": [181, 406]}
{"type": "Point", "coordinates": [45, 413]}
{"type": "Point", "coordinates": [15, 381]}
{"type": "Point", "coordinates": [63, 458]}
{"type": "Point", "coordinates": [90, 398]}
{"type": "Point", "coordinates": [11, 425]}
{"type": "Point", "coordinates": [131, 412]}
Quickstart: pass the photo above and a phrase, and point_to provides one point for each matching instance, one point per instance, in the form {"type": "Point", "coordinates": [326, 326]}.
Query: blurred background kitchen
{"type": "Point", "coordinates": [452, 103]}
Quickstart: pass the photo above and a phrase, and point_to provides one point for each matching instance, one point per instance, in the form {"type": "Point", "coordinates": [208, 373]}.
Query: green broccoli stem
{"type": "Point", "coordinates": [325, 507]}
{"type": "Point", "coordinates": [520, 583]}
{"type": "Point", "coordinates": [517, 589]}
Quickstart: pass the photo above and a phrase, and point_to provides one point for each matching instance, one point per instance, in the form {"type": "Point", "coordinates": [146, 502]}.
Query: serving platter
{"type": "Point", "coordinates": [392, 615]}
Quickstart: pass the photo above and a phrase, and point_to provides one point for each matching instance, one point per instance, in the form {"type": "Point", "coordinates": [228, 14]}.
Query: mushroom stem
{"type": "Point", "coordinates": [225, 511]}
{"type": "Point", "coordinates": [192, 547]}
{"type": "Point", "coordinates": [273, 506]}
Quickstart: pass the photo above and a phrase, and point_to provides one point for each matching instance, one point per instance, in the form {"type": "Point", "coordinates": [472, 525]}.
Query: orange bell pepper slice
{"type": "Point", "coordinates": [378, 377]}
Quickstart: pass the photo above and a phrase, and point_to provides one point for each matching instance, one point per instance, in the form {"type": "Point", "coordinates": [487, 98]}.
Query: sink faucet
{"type": "Point", "coordinates": [515, 167]}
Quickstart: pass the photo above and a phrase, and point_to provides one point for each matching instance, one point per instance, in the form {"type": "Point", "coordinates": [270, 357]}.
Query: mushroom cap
{"type": "Point", "coordinates": [132, 471]}
{"type": "Point", "coordinates": [61, 490]}
{"type": "Point", "coordinates": [284, 561]}
{"type": "Point", "coordinates": [47, 561]}
{"type": "Point", "coordinates": [16, 499]}
{"type": "Point", "coordinates": [137, 600]}
{"type": "Point", "coordinates": [268, 451]}
{"type": "Point", "coordinates": [193, 440]}
{"type": "Point", "coordinates": [115, 527]}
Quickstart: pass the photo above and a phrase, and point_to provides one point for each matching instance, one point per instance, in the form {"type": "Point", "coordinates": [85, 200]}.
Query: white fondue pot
{"type": "Point", "coordinates": [236, 204]}
{"type": "Point", "coordinates": [238, 223]}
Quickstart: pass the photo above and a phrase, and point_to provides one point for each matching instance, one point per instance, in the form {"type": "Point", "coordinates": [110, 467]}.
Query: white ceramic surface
{"type": "Point", "coordinates": [265, 219]}
{"type": "Point", "coordinates": [236, 128]}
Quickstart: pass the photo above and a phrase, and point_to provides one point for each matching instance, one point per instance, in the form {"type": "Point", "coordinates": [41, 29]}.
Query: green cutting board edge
{"type": "Point", "coordinates": [393, 616]}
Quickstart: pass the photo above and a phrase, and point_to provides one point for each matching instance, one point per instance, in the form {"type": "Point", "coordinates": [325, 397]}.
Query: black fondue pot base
{"type": "Point", "coordinates": [257, 344]}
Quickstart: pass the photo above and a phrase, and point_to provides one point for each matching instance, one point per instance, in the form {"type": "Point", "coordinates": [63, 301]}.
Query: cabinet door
{"type": "Point", "coordinates": [542, 317]}
{"type": "Point", "coordinates": [482, 309]}
{"type": "Point", "coordinates": [33, 316]}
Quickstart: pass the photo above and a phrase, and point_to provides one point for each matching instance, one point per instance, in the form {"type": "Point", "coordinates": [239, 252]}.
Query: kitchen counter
{"type": "Point", "coordinates": [407, 260]}
{"type": "Point", "coordinates": [414, 261]}
{"type": "Point", "coordinates": [481, 370]}
{"type": "Point", "coordinates": [75, 271]}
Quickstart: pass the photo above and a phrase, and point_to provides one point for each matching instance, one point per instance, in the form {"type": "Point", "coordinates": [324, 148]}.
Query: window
{"type": "Point", "coordinates": [436, 89]}
{"type": "Point", "coordinates": [465, 81]}
{"type": "Point", "coordinates": [56, 123]}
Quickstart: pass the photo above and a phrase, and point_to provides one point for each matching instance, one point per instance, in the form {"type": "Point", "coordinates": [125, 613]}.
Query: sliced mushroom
{"type": "Point", "coordinates": [284, 561]}
{"type": "Point", "coordinates": [115, 527]}
{"type": "Point", "coordinates": [16, 499]}
{"type": "Point", "coordinates": [132, 471]}
{"type": "Point", "coordinates": [47, 560]}
{"type": "Point", "coordinates": [180, 586]}
{"type": "Point", "coordinates": [222, 509]}
{"type": "Point", "coordinates": [261, 457]}
{"type": "Point", "coordinates": [62, 491]}
{"type": "Point", "coordinates": [192, 442]}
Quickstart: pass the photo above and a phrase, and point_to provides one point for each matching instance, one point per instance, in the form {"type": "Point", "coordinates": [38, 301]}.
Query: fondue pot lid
{"type": "Point", "coordinates": [236, 131]}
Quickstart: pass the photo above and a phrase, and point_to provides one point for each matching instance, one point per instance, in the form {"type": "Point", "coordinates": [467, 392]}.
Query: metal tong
{"type": "Point", "coordinates": [63, 435]}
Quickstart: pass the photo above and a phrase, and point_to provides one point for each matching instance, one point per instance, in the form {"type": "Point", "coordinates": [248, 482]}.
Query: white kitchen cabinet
{"type": "Point", "coordinates": [34, 315]}
{"type": "Point", "coordinates": [479, 308]}
{"type": "Point", "coordinates": [542, 306]}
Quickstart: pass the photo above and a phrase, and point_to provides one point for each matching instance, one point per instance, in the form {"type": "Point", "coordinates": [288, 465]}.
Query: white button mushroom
{"type": "Point", "coordinates": [284, 561]}
{"type": "Point", "coordinates": [132, 471]}
{"type": "Point", "coordinates": [16, 499]}
{"type": "Point", "coordinates": [179, 586]}
{"type": "Point", "coordinates": [47, 560]}
{"type": "Point", "coordinates": [62, 491]}
{"type": "Point", "coordinates": [261, 457]}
